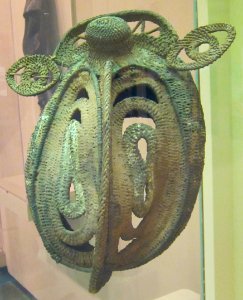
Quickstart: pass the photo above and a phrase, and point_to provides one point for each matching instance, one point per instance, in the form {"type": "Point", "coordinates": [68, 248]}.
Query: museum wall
{"type": "Point", "coordinates": [178, 13]}
{"type": "Point", "coordinates": [223, 220]}
{"type": "Point", "coordinates": [2, 255]}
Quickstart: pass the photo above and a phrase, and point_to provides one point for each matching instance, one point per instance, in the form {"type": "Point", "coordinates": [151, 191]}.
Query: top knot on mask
{"type": "Point", "coordinates": [108, 34]}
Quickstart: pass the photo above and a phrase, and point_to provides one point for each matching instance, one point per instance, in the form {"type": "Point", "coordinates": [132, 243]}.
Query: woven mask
{"type": "Point", "coordinates": [85, 178]}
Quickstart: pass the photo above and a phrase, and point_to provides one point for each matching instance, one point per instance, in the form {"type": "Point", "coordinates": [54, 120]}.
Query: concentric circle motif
{"type": "Point", "coordinates": [196, 38]}
{"type": "Point", "coordinates": [32, 75]}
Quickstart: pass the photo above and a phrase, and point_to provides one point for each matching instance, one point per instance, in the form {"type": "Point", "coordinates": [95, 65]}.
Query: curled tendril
{"type": "Point", "coordinates": [35, 74]}
{"type": "Point", "coordinates": [196, 38]}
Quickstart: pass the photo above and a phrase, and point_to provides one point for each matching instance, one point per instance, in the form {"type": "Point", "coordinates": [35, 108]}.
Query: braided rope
{"type": "Point", "coordinates": [99, 276]}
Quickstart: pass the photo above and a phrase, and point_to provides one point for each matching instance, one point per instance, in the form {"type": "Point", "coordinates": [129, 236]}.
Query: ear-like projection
{"type": "Point", "coordinates": [86, 179]}
{"type": "Point", "coordinates": [194, 39]}
{"type": "Point", "coordinates": [32, 75]}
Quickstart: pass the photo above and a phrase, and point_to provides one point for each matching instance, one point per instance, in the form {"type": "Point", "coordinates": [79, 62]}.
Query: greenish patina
{"type": "Point", "coordinates": [110, 68]}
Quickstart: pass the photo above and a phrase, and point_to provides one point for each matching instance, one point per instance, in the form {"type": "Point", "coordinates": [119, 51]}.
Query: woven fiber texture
{"type": "Point", "coordinates": [86, 179]}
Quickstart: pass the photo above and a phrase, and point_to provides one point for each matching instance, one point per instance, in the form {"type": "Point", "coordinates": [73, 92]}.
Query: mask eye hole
{"type": "Point", "coordinates": [82, 94]}
{"type": "Point", "coordinates": [76, 115]}
{"type": "Point", "coordinates": [140, 90]}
